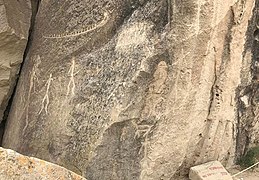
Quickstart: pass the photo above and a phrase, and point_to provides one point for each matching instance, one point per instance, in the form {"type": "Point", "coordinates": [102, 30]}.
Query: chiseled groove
{"type": "Point", "coordinates": [82, 31]}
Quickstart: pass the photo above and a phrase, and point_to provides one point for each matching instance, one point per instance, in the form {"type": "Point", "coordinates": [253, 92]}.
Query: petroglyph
{"type": "Point", "coordinates": [144, 131]}
{"type": "Point", "coordinates": [33, 78]}
{"type": "Point", "coordinates": [35, 72]}
{"type": "Point", "coordinates": [71, 85]}
{"type": "Point", "coordinates": [160, 77]}
{"type": "Point", "coordinates": [45, 100]}
{"type": "Point", "coordinates": [85, 30]}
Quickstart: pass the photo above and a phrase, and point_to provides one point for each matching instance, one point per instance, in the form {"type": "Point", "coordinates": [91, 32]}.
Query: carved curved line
{"type": "Point", "coordinates": [80, 32]}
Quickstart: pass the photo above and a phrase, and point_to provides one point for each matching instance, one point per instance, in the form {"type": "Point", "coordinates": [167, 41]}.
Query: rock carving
{"type": "Point", "coordinates": [85, 30]}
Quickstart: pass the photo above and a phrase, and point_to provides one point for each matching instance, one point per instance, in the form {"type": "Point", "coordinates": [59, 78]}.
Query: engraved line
{"type": "Point", "coordinates": [46, 97]}
{"type": "Point", "coordinates": [83, 31]}
{"type": "Point", "coordinates": [71, 81]}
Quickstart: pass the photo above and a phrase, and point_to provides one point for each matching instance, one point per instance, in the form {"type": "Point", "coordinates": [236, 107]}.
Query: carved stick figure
{"type": "Point", "coordinates": [45, 100]}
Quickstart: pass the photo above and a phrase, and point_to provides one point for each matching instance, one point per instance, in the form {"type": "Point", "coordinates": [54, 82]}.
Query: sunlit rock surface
{"type": "Point", "coordinates": [14, 166]}
{"type": "Point", "coordinates": [136, 89]}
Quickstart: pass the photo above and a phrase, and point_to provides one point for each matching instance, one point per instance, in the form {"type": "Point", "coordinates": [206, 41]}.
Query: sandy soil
{"type": "Point", "coordinates": [252, 174]}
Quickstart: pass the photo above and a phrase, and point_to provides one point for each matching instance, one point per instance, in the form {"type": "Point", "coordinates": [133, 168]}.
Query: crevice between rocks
{"type": "Point", "coordinates": [35, 6]}
{"type": "Point", "coordinates": [245, 115]}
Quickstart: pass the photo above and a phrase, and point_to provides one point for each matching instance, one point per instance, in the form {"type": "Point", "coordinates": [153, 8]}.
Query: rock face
{"type": "Point", "coordinates": [14, 27]}
{"type": "Point", "coordinates": [15, 166]}
{"type": "Point", "coordinates": [135, 89]}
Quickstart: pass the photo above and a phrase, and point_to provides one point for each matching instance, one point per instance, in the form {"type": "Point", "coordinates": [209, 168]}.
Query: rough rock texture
{"type": "Point", "coordinates": [137, 89]}
{"type": "Point", "coordinates": [248, 91]}
{"type": "Point", "coordinates": [14, 166]}
{"type": "Point", "coordinates": [15, 19]}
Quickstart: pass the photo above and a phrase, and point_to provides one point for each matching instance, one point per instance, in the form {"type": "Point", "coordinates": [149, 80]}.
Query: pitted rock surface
{"type": "Point", "coordinates": [14, 166]}
{"type": "Point", "coordinates": [148, 94]}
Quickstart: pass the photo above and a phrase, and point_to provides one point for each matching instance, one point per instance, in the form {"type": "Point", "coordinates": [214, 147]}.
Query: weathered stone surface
{"type": "Point", "coordinates": [14, 26]}
{"type": "Point", "coordinates": [248, 91]}
{"type": "Point", "coordinates": [133, 89]}
{"type": "Point", "coordinates": [14, 166]}
{"type": "Point", "coordinates": [209, 171]}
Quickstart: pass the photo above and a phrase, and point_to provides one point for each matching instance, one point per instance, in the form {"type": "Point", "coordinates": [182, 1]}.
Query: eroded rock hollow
{"type": "Point", "coordinates": [138, 89]}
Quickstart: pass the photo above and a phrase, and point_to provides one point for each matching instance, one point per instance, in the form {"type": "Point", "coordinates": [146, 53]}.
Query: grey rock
{"type": "Point", "coordinates": [14, 27]}
{"type": "Point", "coordinates": [133, 96]}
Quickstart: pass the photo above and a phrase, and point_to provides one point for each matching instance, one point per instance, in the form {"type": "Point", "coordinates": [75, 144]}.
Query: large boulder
{"type": "Point", "coordinates": [133, 89]}
{"type": "Point", "coordinates": [15, 19]}
{"type": "Point", "coordinates": [14, 166]}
